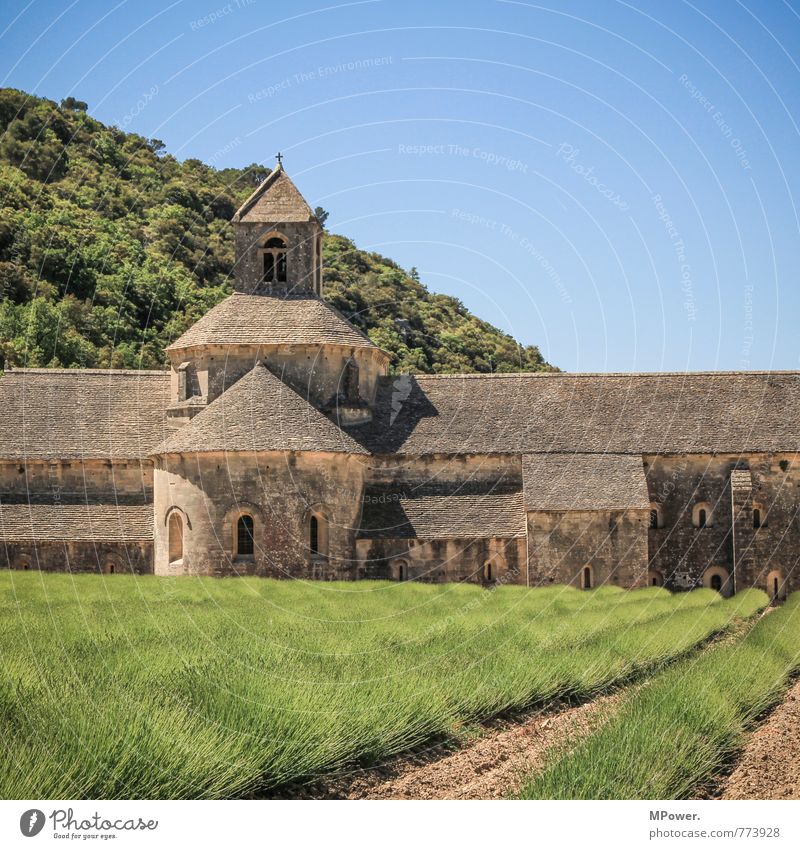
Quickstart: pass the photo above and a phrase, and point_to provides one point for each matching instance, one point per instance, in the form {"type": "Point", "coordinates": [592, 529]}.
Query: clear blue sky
{"type": "Point", "coordinates": [616, 182]}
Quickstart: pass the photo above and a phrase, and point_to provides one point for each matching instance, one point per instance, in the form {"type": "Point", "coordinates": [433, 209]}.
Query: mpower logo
{"type": "Point", "coordinates": [64, 822]}
{"type": "Point", "coordinates": [31, 822]}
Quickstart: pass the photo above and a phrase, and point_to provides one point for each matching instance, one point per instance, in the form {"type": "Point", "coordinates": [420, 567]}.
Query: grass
{"type": "Point", "coordinates": [201, 688]}
{"type": "Point", "coordinates": [677, 733]}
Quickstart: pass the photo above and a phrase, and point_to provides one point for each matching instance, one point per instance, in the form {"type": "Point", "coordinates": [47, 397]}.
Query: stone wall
{"type": "Point", "coordinates": [314, 371]}
{"type": "Point", "coordinates": [76, 481]}
{"type": "Point", "coordinates": [683, 553]}
{"type": "Point", "coordinates": [436, 561]}
{"type": "Point", "coordinates": [280, 490]}
{"type": "Point", "coordinates": [612, 543]}
{"type": "Point", "coordinates": [106, 557]}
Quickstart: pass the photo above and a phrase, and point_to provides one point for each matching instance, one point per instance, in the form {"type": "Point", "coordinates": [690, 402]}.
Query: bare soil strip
{"type": "Point", "coordinates": [489, 768]}
{"type": "Point", "coordinates": [769, 767]}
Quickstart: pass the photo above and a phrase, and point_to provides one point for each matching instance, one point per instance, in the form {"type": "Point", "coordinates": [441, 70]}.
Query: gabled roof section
{"type": "Point", "coordinates": [81, 413]}
{"type": "Point", "coordinates": [260, 413]}
{"type": "Point", "coordinates": [271, 320]}
{"type": "Point", "coordinates": [80, 522]}
{"type": "Point", "coordinates": [584, 482]}
{"type": "Point", "coordinates": [276, 200]}
{"type": "Point", "coordinates": [635, 413]}
{"type": "Point", "coordinates": [449, 511]}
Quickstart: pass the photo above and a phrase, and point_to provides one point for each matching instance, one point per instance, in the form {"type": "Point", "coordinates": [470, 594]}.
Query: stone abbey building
{"type": "Point", "coordinates": [278, 444]}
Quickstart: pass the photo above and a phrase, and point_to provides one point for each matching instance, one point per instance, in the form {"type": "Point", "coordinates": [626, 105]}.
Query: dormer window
{"type": "Point", "coordinates": [274, 258]}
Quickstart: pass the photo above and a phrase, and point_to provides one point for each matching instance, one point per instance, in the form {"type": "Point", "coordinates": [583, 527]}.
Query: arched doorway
{"type": "Point", "coordinates": [400, 570]}
{"type": "Point", "coordinates": [587, 578]}
{"type": "Point", "coordinates": [111, 566]}
{"type": "Point", "coordinates": [655, 578]}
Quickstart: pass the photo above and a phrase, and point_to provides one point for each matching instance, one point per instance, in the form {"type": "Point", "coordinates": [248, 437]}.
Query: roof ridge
{"type": "Point", "coordinates": [82, 371]}
{"type": "Point", "coordinates": [516, 375]}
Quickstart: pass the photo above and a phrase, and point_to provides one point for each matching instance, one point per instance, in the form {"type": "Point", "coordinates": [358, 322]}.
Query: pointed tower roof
{"type": "Point", "coordinates": [277, 199]}
{"type": "Point", "coordinates": [266, 320]}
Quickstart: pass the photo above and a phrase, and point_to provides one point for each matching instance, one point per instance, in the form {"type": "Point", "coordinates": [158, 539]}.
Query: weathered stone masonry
{"type": "Point", "coordinates": [278, 445]}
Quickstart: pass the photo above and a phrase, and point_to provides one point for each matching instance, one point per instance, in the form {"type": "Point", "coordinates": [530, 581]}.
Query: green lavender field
{"type": "Point", "coordinates": [675, 734]}
{"type": "Point", "coordinates": [125, 687]}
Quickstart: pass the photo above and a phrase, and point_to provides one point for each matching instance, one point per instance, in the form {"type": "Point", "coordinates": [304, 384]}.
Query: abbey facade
{"type": "Point", "coordinates": [278, 444]}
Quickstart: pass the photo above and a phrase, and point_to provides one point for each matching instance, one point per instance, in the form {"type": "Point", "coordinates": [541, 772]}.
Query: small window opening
{"type": "Point", "coordinates": [350, 381]}
{"type": "Point", "coordinates": [756, 518]}
{"type": "Point", "coordinates": [245, 546]}
{"type": "Point", "coordinates": [314, 535]}
{"type": "Point", "coordinates": [274, 260]}
{"type": "Point", "coordinates": [653, 519]}
{"type": "Point", "coordinates": [587, 577]}
{"type": "Point", "coordinates": [701, 521]}
{"type": "Point", "coordinates": [175, 537]}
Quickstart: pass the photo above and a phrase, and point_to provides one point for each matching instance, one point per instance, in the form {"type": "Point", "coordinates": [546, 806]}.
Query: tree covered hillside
{"type": "Point", "coordinates": [110, 248]}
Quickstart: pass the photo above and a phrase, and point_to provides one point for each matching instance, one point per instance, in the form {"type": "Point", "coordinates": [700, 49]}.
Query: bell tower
{"type": "Point", "coordinates": [278, 241]}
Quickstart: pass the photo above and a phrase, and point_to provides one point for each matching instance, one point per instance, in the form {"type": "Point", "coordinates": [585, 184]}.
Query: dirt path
{"type": "Point", "coordinates": [769, 767]}
{"type": "Point", "coordinates": [489, 768]}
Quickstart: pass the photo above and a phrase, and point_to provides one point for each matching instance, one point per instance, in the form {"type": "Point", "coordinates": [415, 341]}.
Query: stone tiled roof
{"type": "Point", "coordinates": [584, 482]}
{"type": "Point", "coordinates": [269, 320]}
{"type": "Point", "coordinates": [260, 413]}
{"type": "Point", "coordinates": [276, 200]}
{"type": "Point", "coordinates": [79, 522]}
{"type": "Point", "coordinates": [463, 512]}
{"type": "Point", "coordinates": [701, 412]}
{"type": "Point", "coordinates": [81, 413]}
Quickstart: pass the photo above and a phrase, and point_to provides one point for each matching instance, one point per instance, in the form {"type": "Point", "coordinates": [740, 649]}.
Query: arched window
{"type": "Point", "coordinates": [717, 578]}
{"type": "Point", "coordinates": [701, 515]}
{"type": "Point", "coordinates": [175, 537]}
{"type": "Point", "coordinates": [759, 520]}
{"type": "Point", "coordinates": [245, 547]}
{"type": "Point", "coordinates": [655, 517]}
{"type": "Point", "coordinates": [586, 578]}
{"type": "Point", "coordinates": [488, 572]}
{"type": "Point", "coordinates": [350, 388]}
{"type": "Point", "coordinates": [274, 253]}
{"type": "Point", "coordinates": [314, 535]}
{"type": "Point", "coordinates": [400, 570]}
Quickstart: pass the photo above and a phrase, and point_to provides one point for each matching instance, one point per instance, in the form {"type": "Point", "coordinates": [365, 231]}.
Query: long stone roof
{"type": "Point", "coordinates": [584, 482]}
{"type": "Point", "coordinates": [260, 413]}
{"type": "Point", "coordinates": [442, 512]}
{"type": "Point", "coordinates": [81, 413]}
{"type": "Point", "coordinates": [270, 320]}
{"type": "Point", "coordinates": [277, 200]}
{"type": "Point", "coordinates": [659, 413]}
{"type": "Point", "coordinates": [79, 522]}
